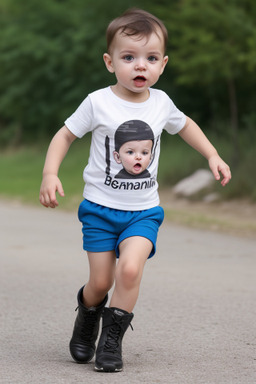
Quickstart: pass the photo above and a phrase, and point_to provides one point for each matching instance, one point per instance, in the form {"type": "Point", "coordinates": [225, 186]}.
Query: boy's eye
{"type": "Point", "coordinates": [128, 57]}
{"type": "Point", "coordinates": [152, 58]}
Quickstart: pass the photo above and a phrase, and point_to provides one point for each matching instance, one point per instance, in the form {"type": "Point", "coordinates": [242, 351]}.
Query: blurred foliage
{"type": "Point", "coordinates": [51, 58]}
{"type": "Point", "coordinates": [214, 45]}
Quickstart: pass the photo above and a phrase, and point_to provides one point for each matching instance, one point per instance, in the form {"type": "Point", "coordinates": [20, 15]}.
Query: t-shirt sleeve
{"type": "Point", "coordinates": [176, 121]}
{"type": "Point", "coordinates": [80, 122]}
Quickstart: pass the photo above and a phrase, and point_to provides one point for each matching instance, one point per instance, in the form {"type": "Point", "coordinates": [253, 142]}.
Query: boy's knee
{"type": "Point", "coordinates": [129, 274]}
{"type": "Point", "coordinates": [101, 285]}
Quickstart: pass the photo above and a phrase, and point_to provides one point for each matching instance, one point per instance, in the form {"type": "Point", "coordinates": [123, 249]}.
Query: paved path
{"type": "Point", "coordinates": [195, 321]}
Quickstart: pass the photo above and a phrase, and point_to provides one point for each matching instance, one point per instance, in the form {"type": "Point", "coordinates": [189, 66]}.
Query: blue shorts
{"type": "Point", "coordinates": [104, 228]}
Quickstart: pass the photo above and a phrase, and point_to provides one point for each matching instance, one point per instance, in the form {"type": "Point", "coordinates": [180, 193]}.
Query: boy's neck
{"type": "Point", "coordinates": [127, 95]}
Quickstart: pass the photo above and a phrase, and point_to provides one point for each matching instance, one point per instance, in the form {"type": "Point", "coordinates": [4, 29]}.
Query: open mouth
{"type": "Point", "coordinates": [139, 81]}
{"type": "Point", "coordinates": [137, 167]}
{"type": "Point", "coordinates": [140, 78]}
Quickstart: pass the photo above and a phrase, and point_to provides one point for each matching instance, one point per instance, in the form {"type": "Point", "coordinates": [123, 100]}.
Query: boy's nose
{"type": "Point", "coordinates": [140, 65]}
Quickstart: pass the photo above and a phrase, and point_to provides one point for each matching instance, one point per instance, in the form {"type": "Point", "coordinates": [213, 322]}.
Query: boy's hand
{"type": "Point", "coordinates": [50, 185]}
{"type": "Point", "coordinates": [217, 166]}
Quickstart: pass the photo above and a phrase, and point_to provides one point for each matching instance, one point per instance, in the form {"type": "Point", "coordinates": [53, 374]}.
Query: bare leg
{"type": "Point", "coordinates": [134, 252]}
{"type": "Point", "coordinates": [86, 327]}
{"type": "Point", "coordinates": [102, 273]}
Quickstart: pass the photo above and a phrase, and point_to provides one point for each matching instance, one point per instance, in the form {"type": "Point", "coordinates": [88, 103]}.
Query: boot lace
{"type": "Point", "coordinates": [112, 342]}
{"type": "Point", "coordinates": [87, 330]}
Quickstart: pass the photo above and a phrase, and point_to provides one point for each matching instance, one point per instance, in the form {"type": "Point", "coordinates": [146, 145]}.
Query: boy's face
{"type": "Point", "coordinates": [135, 156]}
{"type": "Point", "coordinates": [137, 63]}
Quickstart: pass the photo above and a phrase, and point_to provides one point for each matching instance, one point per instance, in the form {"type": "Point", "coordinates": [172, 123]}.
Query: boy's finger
{"type": "Point", "coordinates": [53, 201]}
{"type": "Point", "coordinates": [45, 200]}
{"type": "Point", "coordinates": [226, 176]}
{"type": "Point", "coordinates": [42, 201]}
{"type": "Point", "coordinates": [215, 173]}
{"type": "Point", "coordinates": [60, 190]}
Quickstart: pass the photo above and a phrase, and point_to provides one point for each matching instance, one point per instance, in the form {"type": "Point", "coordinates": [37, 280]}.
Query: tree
{"type": "Point", "coordinates": [50, 59]}
{"type": "Point", "coordinates": [214, 43]}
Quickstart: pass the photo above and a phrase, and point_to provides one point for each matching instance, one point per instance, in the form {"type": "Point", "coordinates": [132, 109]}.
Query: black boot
{"type": "Point", "coordinates": [86, 329]}
{"type": "Point", "coordinates": [109, 351]}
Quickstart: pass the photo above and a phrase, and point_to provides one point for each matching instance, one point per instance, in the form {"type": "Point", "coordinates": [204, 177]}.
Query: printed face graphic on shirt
{"type": "Point", "coordinates": [134, 142]}
{"type": "Point", "coordinates": [135, 157]}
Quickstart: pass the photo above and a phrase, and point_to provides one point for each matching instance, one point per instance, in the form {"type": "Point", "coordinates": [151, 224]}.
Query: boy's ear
{"type": "Point", "coordinates": [117, 157]}
{"type": "Point", "coordinates": [108, 62]}
{"type": "Point", "coordinates": [165, 61]}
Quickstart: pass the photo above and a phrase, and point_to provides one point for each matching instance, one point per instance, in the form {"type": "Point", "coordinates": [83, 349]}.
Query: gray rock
{"type": "Point", "coordinates": [211, 197]}
{"type": "Point", "coordinates": [193, 184]}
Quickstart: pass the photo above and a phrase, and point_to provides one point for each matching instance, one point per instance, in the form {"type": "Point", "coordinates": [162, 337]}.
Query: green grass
{"type": "Point", "coordinates": [21, 173]}
{"type": "Point", "coordinates": [177, 160]}
{"type": "Point", "coordinates": [21, 170]}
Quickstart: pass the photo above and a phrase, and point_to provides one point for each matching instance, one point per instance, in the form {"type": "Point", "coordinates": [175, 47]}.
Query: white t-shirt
{"type": "Point", "coordinates": [115, 122]}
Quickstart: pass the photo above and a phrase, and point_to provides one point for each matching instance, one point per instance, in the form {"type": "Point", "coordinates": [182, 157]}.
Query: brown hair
{"type": "Point", "coordinates": [136, 22]}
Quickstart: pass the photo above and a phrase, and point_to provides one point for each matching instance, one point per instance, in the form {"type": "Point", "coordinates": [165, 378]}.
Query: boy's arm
{"type": "Point", "coordinates": [194, 136]}
{"type": "Point", "coordinates": [51, 184]}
